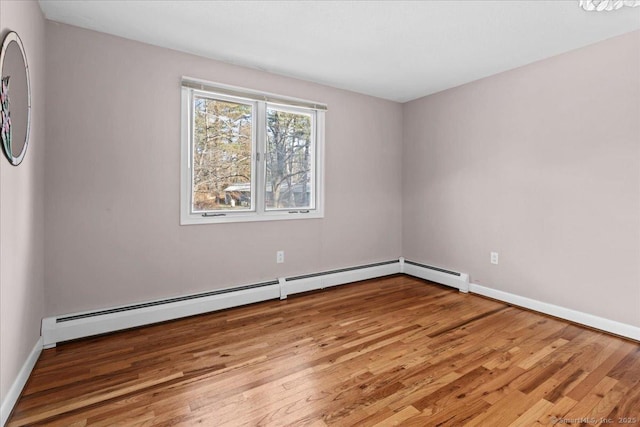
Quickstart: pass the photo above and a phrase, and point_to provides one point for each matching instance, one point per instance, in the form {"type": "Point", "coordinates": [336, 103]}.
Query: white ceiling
{"type": "Point", "coordinates": [398, 50]}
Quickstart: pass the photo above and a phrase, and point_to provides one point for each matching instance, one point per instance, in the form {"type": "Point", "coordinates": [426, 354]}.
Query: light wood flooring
{"type": "Point", "coordinates": [392, 351]}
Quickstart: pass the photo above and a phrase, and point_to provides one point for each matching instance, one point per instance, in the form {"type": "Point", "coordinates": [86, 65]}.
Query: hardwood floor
{"type": "Point", "coordinates": [390, 351]}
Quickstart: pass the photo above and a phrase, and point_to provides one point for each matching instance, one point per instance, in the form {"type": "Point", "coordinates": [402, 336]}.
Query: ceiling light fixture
{"type": "Point", "coordinates": [600, 5]}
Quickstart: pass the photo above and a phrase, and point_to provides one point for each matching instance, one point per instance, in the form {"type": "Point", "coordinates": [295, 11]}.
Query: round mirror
{"type": "Point", "coordinates": [15, 97]}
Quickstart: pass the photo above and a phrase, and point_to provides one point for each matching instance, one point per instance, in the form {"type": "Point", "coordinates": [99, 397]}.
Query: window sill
{"type": "Point", "coordinates": [248, 217]}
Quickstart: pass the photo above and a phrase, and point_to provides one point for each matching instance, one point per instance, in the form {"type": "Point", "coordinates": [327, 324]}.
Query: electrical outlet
{"type": "Point", "coordinates": [280, 257]}
{"type": "Point", "coordinates": [494, 257]}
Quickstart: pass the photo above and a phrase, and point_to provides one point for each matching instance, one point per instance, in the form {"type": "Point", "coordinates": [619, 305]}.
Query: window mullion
{"type": "Point", "coordinates": [260, 157]}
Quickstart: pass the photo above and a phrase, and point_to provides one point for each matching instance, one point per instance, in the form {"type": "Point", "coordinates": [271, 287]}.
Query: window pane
{"type": "Point", "coordinates": [221, 152]}
{"type": "Point", "coordinates": [289, 160]}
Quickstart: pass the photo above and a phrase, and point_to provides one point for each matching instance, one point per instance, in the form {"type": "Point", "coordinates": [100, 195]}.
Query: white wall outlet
{"type": "Point", "coordinates": [280, 257]}
{"type": "Point", "coordinates": [494, 257]}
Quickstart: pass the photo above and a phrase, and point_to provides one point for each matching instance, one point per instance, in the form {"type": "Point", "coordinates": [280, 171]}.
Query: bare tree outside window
{"type": "Point", "coordinates": [222, 144]}
{"type": "Point", "coordinates": [288, 159]}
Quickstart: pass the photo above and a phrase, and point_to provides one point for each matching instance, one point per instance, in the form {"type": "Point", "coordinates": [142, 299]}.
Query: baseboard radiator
{"type": "Point", "coordinates": [80, 325]}
{"type": "Point", "coordinates": [310, 282]}
{"type": "Point", "coordinates": [85, 324]}
{"type": "Point", "coordinates": [451, 278]}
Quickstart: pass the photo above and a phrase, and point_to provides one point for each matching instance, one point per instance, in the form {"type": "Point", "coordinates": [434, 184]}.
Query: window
{"type": "Point", "coordinates": [249, 156]}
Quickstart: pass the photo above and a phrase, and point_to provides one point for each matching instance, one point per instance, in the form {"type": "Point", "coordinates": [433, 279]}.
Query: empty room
{"type": "Point", "coordinates": [287, 213]}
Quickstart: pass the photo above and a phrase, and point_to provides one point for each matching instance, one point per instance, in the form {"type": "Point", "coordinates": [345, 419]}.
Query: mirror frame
{"type": "Point", "coordinates": [12, 36]}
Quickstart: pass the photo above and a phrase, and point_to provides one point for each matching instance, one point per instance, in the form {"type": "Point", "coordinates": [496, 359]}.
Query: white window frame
{"type": "Point", "coordinates": [260, 101]}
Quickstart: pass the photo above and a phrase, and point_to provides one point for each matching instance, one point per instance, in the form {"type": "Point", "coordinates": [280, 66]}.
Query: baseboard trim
{"type": "Point", "coordinates": [15, 390]}
{"type": "Point", "coordinates": [81, 325]}
{"type": "Point", "coordinates": [590, 320]}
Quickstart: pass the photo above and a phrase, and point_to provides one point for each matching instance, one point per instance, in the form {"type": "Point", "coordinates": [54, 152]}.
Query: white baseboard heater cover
{"type": "Point", "coordinates": [85, 324]}
{"type": "Point", "coordinates": [80, 325]}
{"type": "Point", "coordinates": [451, 278]}
{"type": "Point", "coordinates": [310, 282]}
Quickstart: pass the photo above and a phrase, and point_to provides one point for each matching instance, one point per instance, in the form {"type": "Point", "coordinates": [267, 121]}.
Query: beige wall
{"type": "Point", "coordinates": [112, 180]}
{"type": "Point", "coordinates": [21, 209]}
{"type": "Point", "coordinates": [540, 164]}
